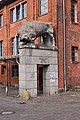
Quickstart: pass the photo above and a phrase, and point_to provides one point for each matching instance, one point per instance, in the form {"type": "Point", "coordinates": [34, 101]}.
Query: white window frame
{"type": "Point", "coordinates": [43, 7]}
{"type": "Point", "coordinates": [15, 45]}
{"type": "Point", "coordinates": [24, 10]}
{"type": "Point", "coordinates": [74, 14]}
{"type": "Point", "coordinates": [22, 14]}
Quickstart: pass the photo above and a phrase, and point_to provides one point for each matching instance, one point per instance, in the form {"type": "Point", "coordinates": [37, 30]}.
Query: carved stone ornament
{"type": "Point", "coordinates": [29, 31]}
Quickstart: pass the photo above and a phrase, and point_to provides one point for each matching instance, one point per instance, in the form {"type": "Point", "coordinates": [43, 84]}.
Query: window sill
{"type": "Point", "coordinates": [75, 62]}
{"type": "Point", "coordinates": [75, 23]}
{"type": "Point", "coordinates": [40, 15]}
{"type": "Point", "coordinates": [15, 77]}
{"type": "Point", "coordinates": [18, 20]}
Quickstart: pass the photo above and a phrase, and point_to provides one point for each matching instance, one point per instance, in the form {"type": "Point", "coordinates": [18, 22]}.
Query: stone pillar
{"type": "Point", "coordinates": [28, 73]}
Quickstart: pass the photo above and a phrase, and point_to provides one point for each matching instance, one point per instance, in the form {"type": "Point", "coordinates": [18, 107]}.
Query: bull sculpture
{"type": "Point", "coordinates": [29, 31]}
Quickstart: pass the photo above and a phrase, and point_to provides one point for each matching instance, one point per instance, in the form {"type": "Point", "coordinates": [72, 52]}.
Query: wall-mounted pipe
{"type": "Point", "coordinates": [64, 38]}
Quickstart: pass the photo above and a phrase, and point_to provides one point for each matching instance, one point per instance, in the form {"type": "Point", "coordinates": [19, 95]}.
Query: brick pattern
{"type": "Point", "coordinates": [55, 16]}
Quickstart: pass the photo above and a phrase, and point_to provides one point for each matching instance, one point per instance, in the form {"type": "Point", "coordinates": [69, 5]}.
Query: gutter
{"type": "Point", "coordinates": [64, 37]}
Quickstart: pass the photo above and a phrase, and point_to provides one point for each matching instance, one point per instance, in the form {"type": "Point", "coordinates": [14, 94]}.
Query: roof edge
{"type": "Point", "coordinates": [5, 2]}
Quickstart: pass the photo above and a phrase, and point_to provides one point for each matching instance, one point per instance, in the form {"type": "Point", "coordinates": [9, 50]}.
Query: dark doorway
{"type": "Point", "coordinates": [40, 79]}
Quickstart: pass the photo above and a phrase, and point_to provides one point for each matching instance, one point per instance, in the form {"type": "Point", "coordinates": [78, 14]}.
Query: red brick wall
{"type": "Point", "coordinates": [72, 39]}
{"type": "Point", "coordinates": [54, 15]}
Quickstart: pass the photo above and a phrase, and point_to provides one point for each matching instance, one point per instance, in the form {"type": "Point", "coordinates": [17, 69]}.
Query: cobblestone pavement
{"type": "Point", "coordinates": [62, 106]}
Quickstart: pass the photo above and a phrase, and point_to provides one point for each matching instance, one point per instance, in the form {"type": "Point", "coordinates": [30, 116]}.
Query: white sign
{"type": "Point", "coordinates": [52, 76]}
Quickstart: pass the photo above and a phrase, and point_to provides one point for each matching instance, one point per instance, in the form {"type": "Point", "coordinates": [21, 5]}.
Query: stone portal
{"type": "Point", "coordinates": [38, 69]}
{"type": "Point", "coordinates": [30, 59]}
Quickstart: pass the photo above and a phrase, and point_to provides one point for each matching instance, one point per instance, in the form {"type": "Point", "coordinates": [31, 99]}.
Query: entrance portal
{"type": "Point", "coordinates": [38, 71]}
{"type": "Point", "coordinates": [39, 79]}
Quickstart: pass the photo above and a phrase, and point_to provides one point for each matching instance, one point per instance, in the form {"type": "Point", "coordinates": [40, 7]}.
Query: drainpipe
{"type": "Point", "coordinates": [64, 38]}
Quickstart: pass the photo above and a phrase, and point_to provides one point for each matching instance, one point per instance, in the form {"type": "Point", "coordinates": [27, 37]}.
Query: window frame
{"type": "Point", "coordinates": [2, 69]}
{"type": "Point", "coordinates": [74, 12]}
{"type": "Point", "coordinates": [12, 15]}
{"type": "Point", "coordinates": [12, 40]}
{"type": "Point", "coordinates": [1, 48]}
{"type": "Point", "coordinates": [1, 20]}
{"type": "Point", "coordinates": [74, 54]}
{"type": "Point", "coordinates": [17, 13]}
{"type": "Point", "coordinates": [15, 45]}
{"type": "Point", "coordinates": [44, 8]}
{"type": "Point", "coordinates": [15, 71]}
{"type": "Point", "coordinates": [23, 10]}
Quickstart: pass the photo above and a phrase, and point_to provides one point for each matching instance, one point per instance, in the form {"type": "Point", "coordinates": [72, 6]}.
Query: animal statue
{"type": "Point", "coordinates": [29, 31]}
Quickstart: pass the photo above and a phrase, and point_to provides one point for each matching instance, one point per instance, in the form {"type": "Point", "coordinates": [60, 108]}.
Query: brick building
{"type": "Point", "coordinates": [65, 18]}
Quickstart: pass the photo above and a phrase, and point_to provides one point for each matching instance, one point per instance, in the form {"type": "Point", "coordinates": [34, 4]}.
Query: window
{"type": "Point", "coordinates": [2, 69]}
{"type": "Point", "coordinates": [24, 10]}
{"type": "Point", "coordinates": [12, 46]}
{"type": "Point", "coordinates": [19, 12]}
{"type": "Point", "coordinates": [12, 15]}
{"type": "Point", "coordinates": [1, 20]}
{"type": "Point", "coordinates": [74, 11]}
{"type": "Point", "coordinates": [43, 7]}
{"type": "Point", "coordinates": [15, 45]}
{"type": "Point", "coordinates": [0, 48]}
{"type": "Point", "coordinates": [41, 40]}
{"type": "Point", "coordinates": [75, 54]}
{"type": "Point", "coordinates": [15, 71]}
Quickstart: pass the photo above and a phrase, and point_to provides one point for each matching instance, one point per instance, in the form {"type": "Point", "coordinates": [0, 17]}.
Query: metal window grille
{"type": "Point", "coordinates": [75, 54]}
{"type": "Point", "coordinates": [73, 11]}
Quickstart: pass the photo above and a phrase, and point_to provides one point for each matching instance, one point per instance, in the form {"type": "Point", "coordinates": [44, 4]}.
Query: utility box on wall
{"type": "Point", "coordinates": [36, 79]}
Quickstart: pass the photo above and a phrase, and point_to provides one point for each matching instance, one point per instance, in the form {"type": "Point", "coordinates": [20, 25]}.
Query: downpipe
{"type": "Point", "coordinates": [64, 39]}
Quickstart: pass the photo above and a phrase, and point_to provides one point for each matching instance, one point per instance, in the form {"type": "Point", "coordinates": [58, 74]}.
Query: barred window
{"type": "Point", "coordinates": [74, 11]}
{"type": "Point", "coordinates": [75, 54]}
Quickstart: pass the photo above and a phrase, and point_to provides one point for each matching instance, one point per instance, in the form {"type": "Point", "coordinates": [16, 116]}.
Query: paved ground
{"type": "Point", "coordinates": [62, 106]}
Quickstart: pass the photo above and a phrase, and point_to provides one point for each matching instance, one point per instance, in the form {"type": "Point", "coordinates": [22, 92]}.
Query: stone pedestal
{"type": "Point", "coordinates": [32, 56]}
